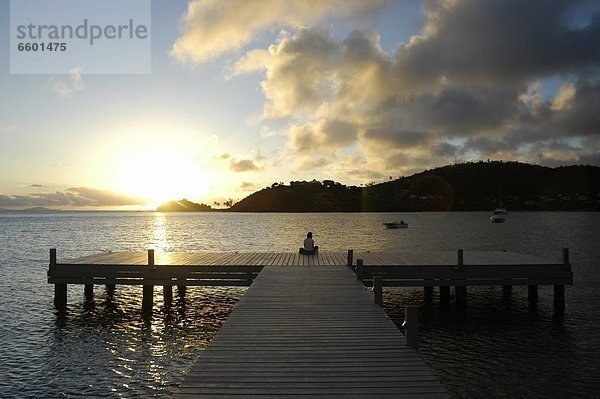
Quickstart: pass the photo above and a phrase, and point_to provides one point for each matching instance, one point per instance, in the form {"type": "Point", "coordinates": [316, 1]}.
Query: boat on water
{"type": "Point", "coordinates": [497, 219]}
{"type": "Point", "coordinates": [395, 224]}
{"type": "Point", "coordinates": [498, 216]}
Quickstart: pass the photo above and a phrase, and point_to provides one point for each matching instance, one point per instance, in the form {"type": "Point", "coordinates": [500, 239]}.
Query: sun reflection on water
{"type": "Point", "coordinates": [160, 242]}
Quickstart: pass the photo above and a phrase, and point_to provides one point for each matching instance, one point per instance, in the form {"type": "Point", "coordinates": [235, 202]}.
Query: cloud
{"type": "Point", "coordinates": [210, 28]}
{"type": "Point", "coordinates": [468, 87]}
{"type": "Point", "coordinates": [74, 196]}
{"type": "Point", "coordinates": [243, 165]}
{"type": "Point", "coordinates": [249, 186]}
{"type": "Point", "coordinates": [66, 88]}
{"type": "Point", "coordinates": [498, 40]}
{"type": "Point", "coordinates": [37, 186]}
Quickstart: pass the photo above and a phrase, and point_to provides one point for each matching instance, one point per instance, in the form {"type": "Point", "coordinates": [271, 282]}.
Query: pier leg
{"type": "Point", "coordinates": [506, 292]}
{"type": "Point", "coordinates": [445, 295]}
{"type": "Point", "coordinates": [181, 288]}
{"type": "Point", "coordinates": [148, 298]}
{"type": "Point", "coordinates": [110, 290]}
{"type": "Point", "coordinates": [460, 260]}
{"type": "Point", "coordinates": [411, 325]}
{"type": "Point", "coordinates": [168, 294]}
{"type": "Point", "coordinates": [359, 269]}
{"type": "Point", "coordinates": [559, 296]}
{"type": "Point", "coordinates": [378, 290]}
{"type": "Point", "coordinates": [461, 296]}
{"type": "Point", "coordinates": [428, 292]}
{"type": "Point", "coordinates": [60, 296]}
{"type": "Point", "coordinates": [88, 292]}
{"type": "Point", "coordinates": [350, 257]}
{"type": "Point", "coordinates": [532, 293]}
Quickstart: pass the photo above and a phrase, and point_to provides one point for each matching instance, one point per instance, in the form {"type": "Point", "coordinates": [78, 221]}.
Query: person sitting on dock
{"type": "Point", "coordinates": [309, 245]}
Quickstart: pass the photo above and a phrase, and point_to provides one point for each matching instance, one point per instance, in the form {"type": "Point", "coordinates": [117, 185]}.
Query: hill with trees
{"type": "Point", "coordinates": [461, 187]}
{"type": "Point", "coordinates": [183, 206]}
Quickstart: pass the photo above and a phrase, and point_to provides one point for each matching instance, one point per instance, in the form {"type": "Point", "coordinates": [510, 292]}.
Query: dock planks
{"type": "Point", "coordinates": [321, 259]}
{"type": "Point", "coordinates": [309, 333]}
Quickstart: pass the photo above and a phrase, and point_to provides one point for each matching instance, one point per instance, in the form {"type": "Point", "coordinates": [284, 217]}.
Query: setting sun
{"type": "Point", "coordinates": [162, 174]}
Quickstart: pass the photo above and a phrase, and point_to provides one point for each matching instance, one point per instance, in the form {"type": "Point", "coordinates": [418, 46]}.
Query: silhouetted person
{"type": "Point", "coordinates": [309, 245]}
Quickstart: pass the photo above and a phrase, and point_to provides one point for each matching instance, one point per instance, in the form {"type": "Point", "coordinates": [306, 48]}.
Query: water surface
{"type": "Point", "coordinates": [106, 349]}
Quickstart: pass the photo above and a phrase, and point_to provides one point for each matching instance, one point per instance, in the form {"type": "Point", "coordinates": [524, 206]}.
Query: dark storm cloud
{"type": "Point", "coordinates": [500, 40]}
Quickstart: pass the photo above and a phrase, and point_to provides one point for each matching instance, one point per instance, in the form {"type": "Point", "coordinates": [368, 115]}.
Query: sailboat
{"type": "Point", "coordinates": [498, 216]}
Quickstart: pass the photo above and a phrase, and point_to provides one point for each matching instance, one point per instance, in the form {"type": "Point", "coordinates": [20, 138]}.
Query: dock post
{"type": "Point", "coordinates": [460, 261]}
{"type": "Point", "coordinates": [378, 290]}
{"type": "Point", "coordinates": [444, 295]}
{"type": "Point", "coordinates": [566, 257]}
{"type": "Point", "coordinates": [411, 325]}
{"type": "Point", "coordinates": [52, 258]}
{"type": "Point", "coordinates": [559, 297]}
{"type": "Point", "coordinates": [428, 290]}
{"type": "Point", "coordinates": [148, 290]}
{"type": "Point", "coordinates": [532, 293]}
{"type": "Point", "coordinates": [151, 257]}
{"type": "Point", "coordinates": [506, 291]}
{"type": "Point", "coordinates": [60, 290]}
{"type": "Point", "coordinates": [88, 292]}
{"type": "Point", "coordinates": [359, 269]}
{"type": "Point", "coordinates": [167, 294]}
{"type": "Point", "coordinates": [110, 290]}
{"type": "Point", "coordinates": [148, 298]}
{"type": "Point", "coordinates": [461, 296]}
{"type": "Point", "coordinates": [181, 287]}
{"type": "Point", "coordinates": [350, 257]}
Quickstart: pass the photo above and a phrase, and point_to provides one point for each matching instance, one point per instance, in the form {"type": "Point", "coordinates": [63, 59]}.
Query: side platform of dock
{"type": "Point", "coordinates": [459, 269]}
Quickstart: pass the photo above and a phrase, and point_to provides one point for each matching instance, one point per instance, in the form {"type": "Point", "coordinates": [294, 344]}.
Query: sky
{"type": "Point", "coordinates": [242, 94]}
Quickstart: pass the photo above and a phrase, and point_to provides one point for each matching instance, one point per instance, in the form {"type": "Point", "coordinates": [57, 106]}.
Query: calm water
{"type": "Point", "coordinates": [498, 349]}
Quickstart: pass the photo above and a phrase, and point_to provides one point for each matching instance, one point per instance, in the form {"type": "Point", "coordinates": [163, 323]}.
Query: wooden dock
{"type": "Point", "coordinates": [459, 269]}
{"type": "Point", "coordinates": [308, 333]}
{"type": "Point", "coordinates": [307, 327]}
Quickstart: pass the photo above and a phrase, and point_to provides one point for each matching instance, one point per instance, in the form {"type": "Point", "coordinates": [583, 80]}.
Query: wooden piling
{"type": "Point", "coordinates": [445, 295]}
{"type": "Point", "coordinates": [88, 292]}
{"type": "Point", "coordinates": [359, 269]}
{"type": "Point", "coordinates": [411, 325]}
{"type": "Point", "coordinates": [110, 290]}
{"type": "Point", "coordinates": [52, 258]}
{"type": "Point", "coordinates": [460, 260]}
{"type": "Point", "coordinates": [428, 290]}
{"type": "Point", "coordinates": [60, 290]}
{"type": "Point", "coordinates": [148, 291]}
{"type": "Point", "coordinates": [151, 257]}
{"type": "Point", "coordinates": [532, 293]}
{"type": "Point", "coordinates": [506, 291]}
{"type": "Point", "coordinates": [559, 296]}
{"type": "Point", "coordinates": [566, 261]}
{"type": "Point", "coordinates": [461, 296]}
{"type": "Point", "coordinates": [147, 298]}
{"type": "Point", "coordinates": [60, 296]}
{"type": "Point", "coordinates": [167, 294]}
{"type": "Point", "coordinates": [378, 290]}
{"type": "Point", "coordinates": [350, 258]}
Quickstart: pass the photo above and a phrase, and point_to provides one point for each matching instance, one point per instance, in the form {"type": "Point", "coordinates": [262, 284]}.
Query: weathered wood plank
{"type": "Point", "coordinates": [309, 332]}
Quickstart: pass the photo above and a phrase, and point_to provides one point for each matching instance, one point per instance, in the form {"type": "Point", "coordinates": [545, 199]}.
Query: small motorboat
{"type": "Point", "coordinates": [497, 218]}
{"type": "Point", "coordinates": [395, 224]}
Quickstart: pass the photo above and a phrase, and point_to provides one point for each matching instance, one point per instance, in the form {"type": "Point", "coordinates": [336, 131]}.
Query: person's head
{"type": "Point", "coordinates": [309, 235]}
